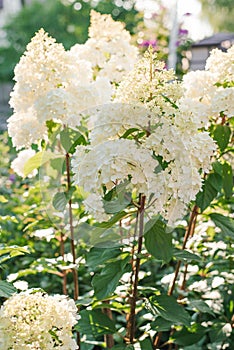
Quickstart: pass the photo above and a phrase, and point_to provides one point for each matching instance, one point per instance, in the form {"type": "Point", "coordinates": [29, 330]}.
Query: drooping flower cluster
{"type": "Point", "coordinates": [18, 163]}
{"type": "Point", "coordinates": [209, 94]}
{"type": "Point", "coordinates": [108, 48]}
{"type": "Point", "coordinates": [36, 320]}
{"type": "Point", "coordinates": [110, 163]}
{"type": "Point", "coordinates": [146, 112]}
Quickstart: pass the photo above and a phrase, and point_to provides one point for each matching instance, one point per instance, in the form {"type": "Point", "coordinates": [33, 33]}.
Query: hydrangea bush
{"type": "Point", "coordinates": [130, 160]}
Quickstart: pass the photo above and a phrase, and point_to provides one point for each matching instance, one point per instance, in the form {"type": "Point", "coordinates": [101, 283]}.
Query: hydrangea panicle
{"type": "Point", "coordinates": [35, 320]}
{"type": "Point", "coordinates": [108, 48]}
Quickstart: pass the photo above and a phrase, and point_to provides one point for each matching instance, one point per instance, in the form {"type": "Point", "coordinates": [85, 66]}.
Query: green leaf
{"type": "Point", "coordinates": [95, 322]}
{"type": "Point", "coordinates": [157, 242]}
{"type": "Point", "coordinates": [97, 256]}
{"type": "Point", "coordinates": [217, 334]}
{"type": "Point", "coordinates": [3, 199]}
{"type": "Point", "coordinates": [70, 138]}
{"type": "Point", "coordinates": [113, 220]}
{"type": "Point", "coordinates": [201, 306]}
{"type": "Point", "coordinates": [225, 223]}
{"type": "Point", "coordinates": [6, 289]}
{"type": "Point", "coordinates": [60, 201]}
{"type": "Point", "coordinates": [146, 344]}
{"type": "Point", "coordinates": [13, 250]}
{"type": "Point", "coordinates": [212, 185]}
{"type": "Point", "coordinates": [129, 132]}
{"type": "Point", "coordinates": [105, 283]}
{"type": "Point", "coordinates": [123, 347]}
{"type": "Point", "coordinates": [227, 180]}
{"type": "Point", "coordinates": [37, 160]}
{"type": "Point", "coordinates": [116, 205]}
{"type": "Point", "coordinates": [168, 308]}
{"type": "Point", "coordinates": [161, 325]}
{"type": "Point", "coordinates": [181, 254]}
{"type": "Point", "coordinates": [190, 336]}
{"type": "Point", "coordinates": [221, 135]}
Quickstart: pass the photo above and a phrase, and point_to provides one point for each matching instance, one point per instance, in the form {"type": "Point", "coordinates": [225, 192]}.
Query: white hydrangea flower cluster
{"type": "Point", "coordinates": [108, 48]}
{"type": "Point", "coordinates": [51, 85]}
{"type": "Point", "coordinates": [19, 162]}
{"type": "Point", "coordinates": [209, 94]}
{"type": "Point", "coordinates": [36, 320]}
{"type": "Point", "coordinates": [146, 101]}
{"type": "Point", "coordinates": [148, 84]}
{"type": "Point", "coordinates": [110, 163]}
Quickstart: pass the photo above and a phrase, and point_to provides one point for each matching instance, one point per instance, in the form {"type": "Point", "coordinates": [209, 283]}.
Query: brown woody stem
{"type": "Point", "coordinates": [62, 252]}
{"type": "Point", "coordinates": [74, 270]}
{"type": "Point", "coordinates": [109, 339]}
{"type": "Point", "coordinates": [131, 322]}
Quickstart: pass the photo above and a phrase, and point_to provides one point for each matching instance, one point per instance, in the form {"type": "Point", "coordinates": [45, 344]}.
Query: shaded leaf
{"type": "Point", "coordinates": [168, 308]}
{"type": "Point", "coordinates": [158, 242]}
{"type": "Point", "coordinates": [161, 325]}
{"type": "Point", "coordinates": [225, 223]}
{"type": "Point", "coordinates": [221, 135]}
{"type": "Point", "coordinates": [104, 283]}
{"type": "Point", "coordinates": [181, 254]}
{"type": "Point", "coordinates": [95, 322]}
{"type": "Point", "coordinates": [97, 256]}
{"type": "Point", "coordinates": [212, 185]}
{"type": "Point", "coordinates": [146, 344]}
{"type": "Point", "coordinates": [201, 306]}
{"type": "Point", "coordinates": [190, 336]}
{"type": "Point", "coordinates": [227, 180]}
{"type": "Point", "coordinates": [6, 289]}
{"type": "Point", "coordinates": [60, 201]}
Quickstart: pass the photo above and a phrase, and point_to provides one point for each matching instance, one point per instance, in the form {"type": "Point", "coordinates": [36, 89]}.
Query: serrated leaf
{"type": "Point", "coordinates": [59, 201]}
{"type": "Point", "coordinates": [212, 185]}
{"type": "Point", "coordinates": [105, 283]}
{"type": "Point", "coordinates": [37, 160]}
{"type": "Point", "coordinates": [221, 135]}
{"type": "Point", "coordinates": [190, 336]}
{"type": "Point", "coordinates": [116, 205]}
{"type": "Point", "coordinates": [70, 138]}
{"type": "Point", "coordinates": [6, 289]}
{"type": "Point", "coordinates": [158, 242]}
{"type": "Point", "coordinates": [95, 322]}
{"type": "Point", "coordinates": [201, 306]}
{"type": "Point", "coordinates": [227, 180]}
{"type": "Point", "coordinates": [161, 325]}
{"type": "Point", "coordinates": [167, 307]}
{"type": "Point", "coordinates": [181, 254]}
{"type": "Point", "coordinates": [97, 256]}
{"type": "Point", "coordinates": [225, 223]}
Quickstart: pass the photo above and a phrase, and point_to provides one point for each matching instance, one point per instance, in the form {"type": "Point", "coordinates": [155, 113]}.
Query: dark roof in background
{"type": "Point", "coordinates": [215, 39]}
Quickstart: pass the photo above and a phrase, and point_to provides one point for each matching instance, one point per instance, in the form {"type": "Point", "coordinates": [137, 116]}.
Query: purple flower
{"type": "Point", "coordinates": [147, 43]}
{"type": "Point", "coordinates": [183, 31]}
{"type": "Point", "coordinates": [12, 177]}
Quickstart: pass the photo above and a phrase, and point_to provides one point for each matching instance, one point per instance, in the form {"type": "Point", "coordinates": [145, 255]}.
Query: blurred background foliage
{"type": "Point", "coordinates": [220, 14]}
{"type": "Point", "coordinates": [66, 21]}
